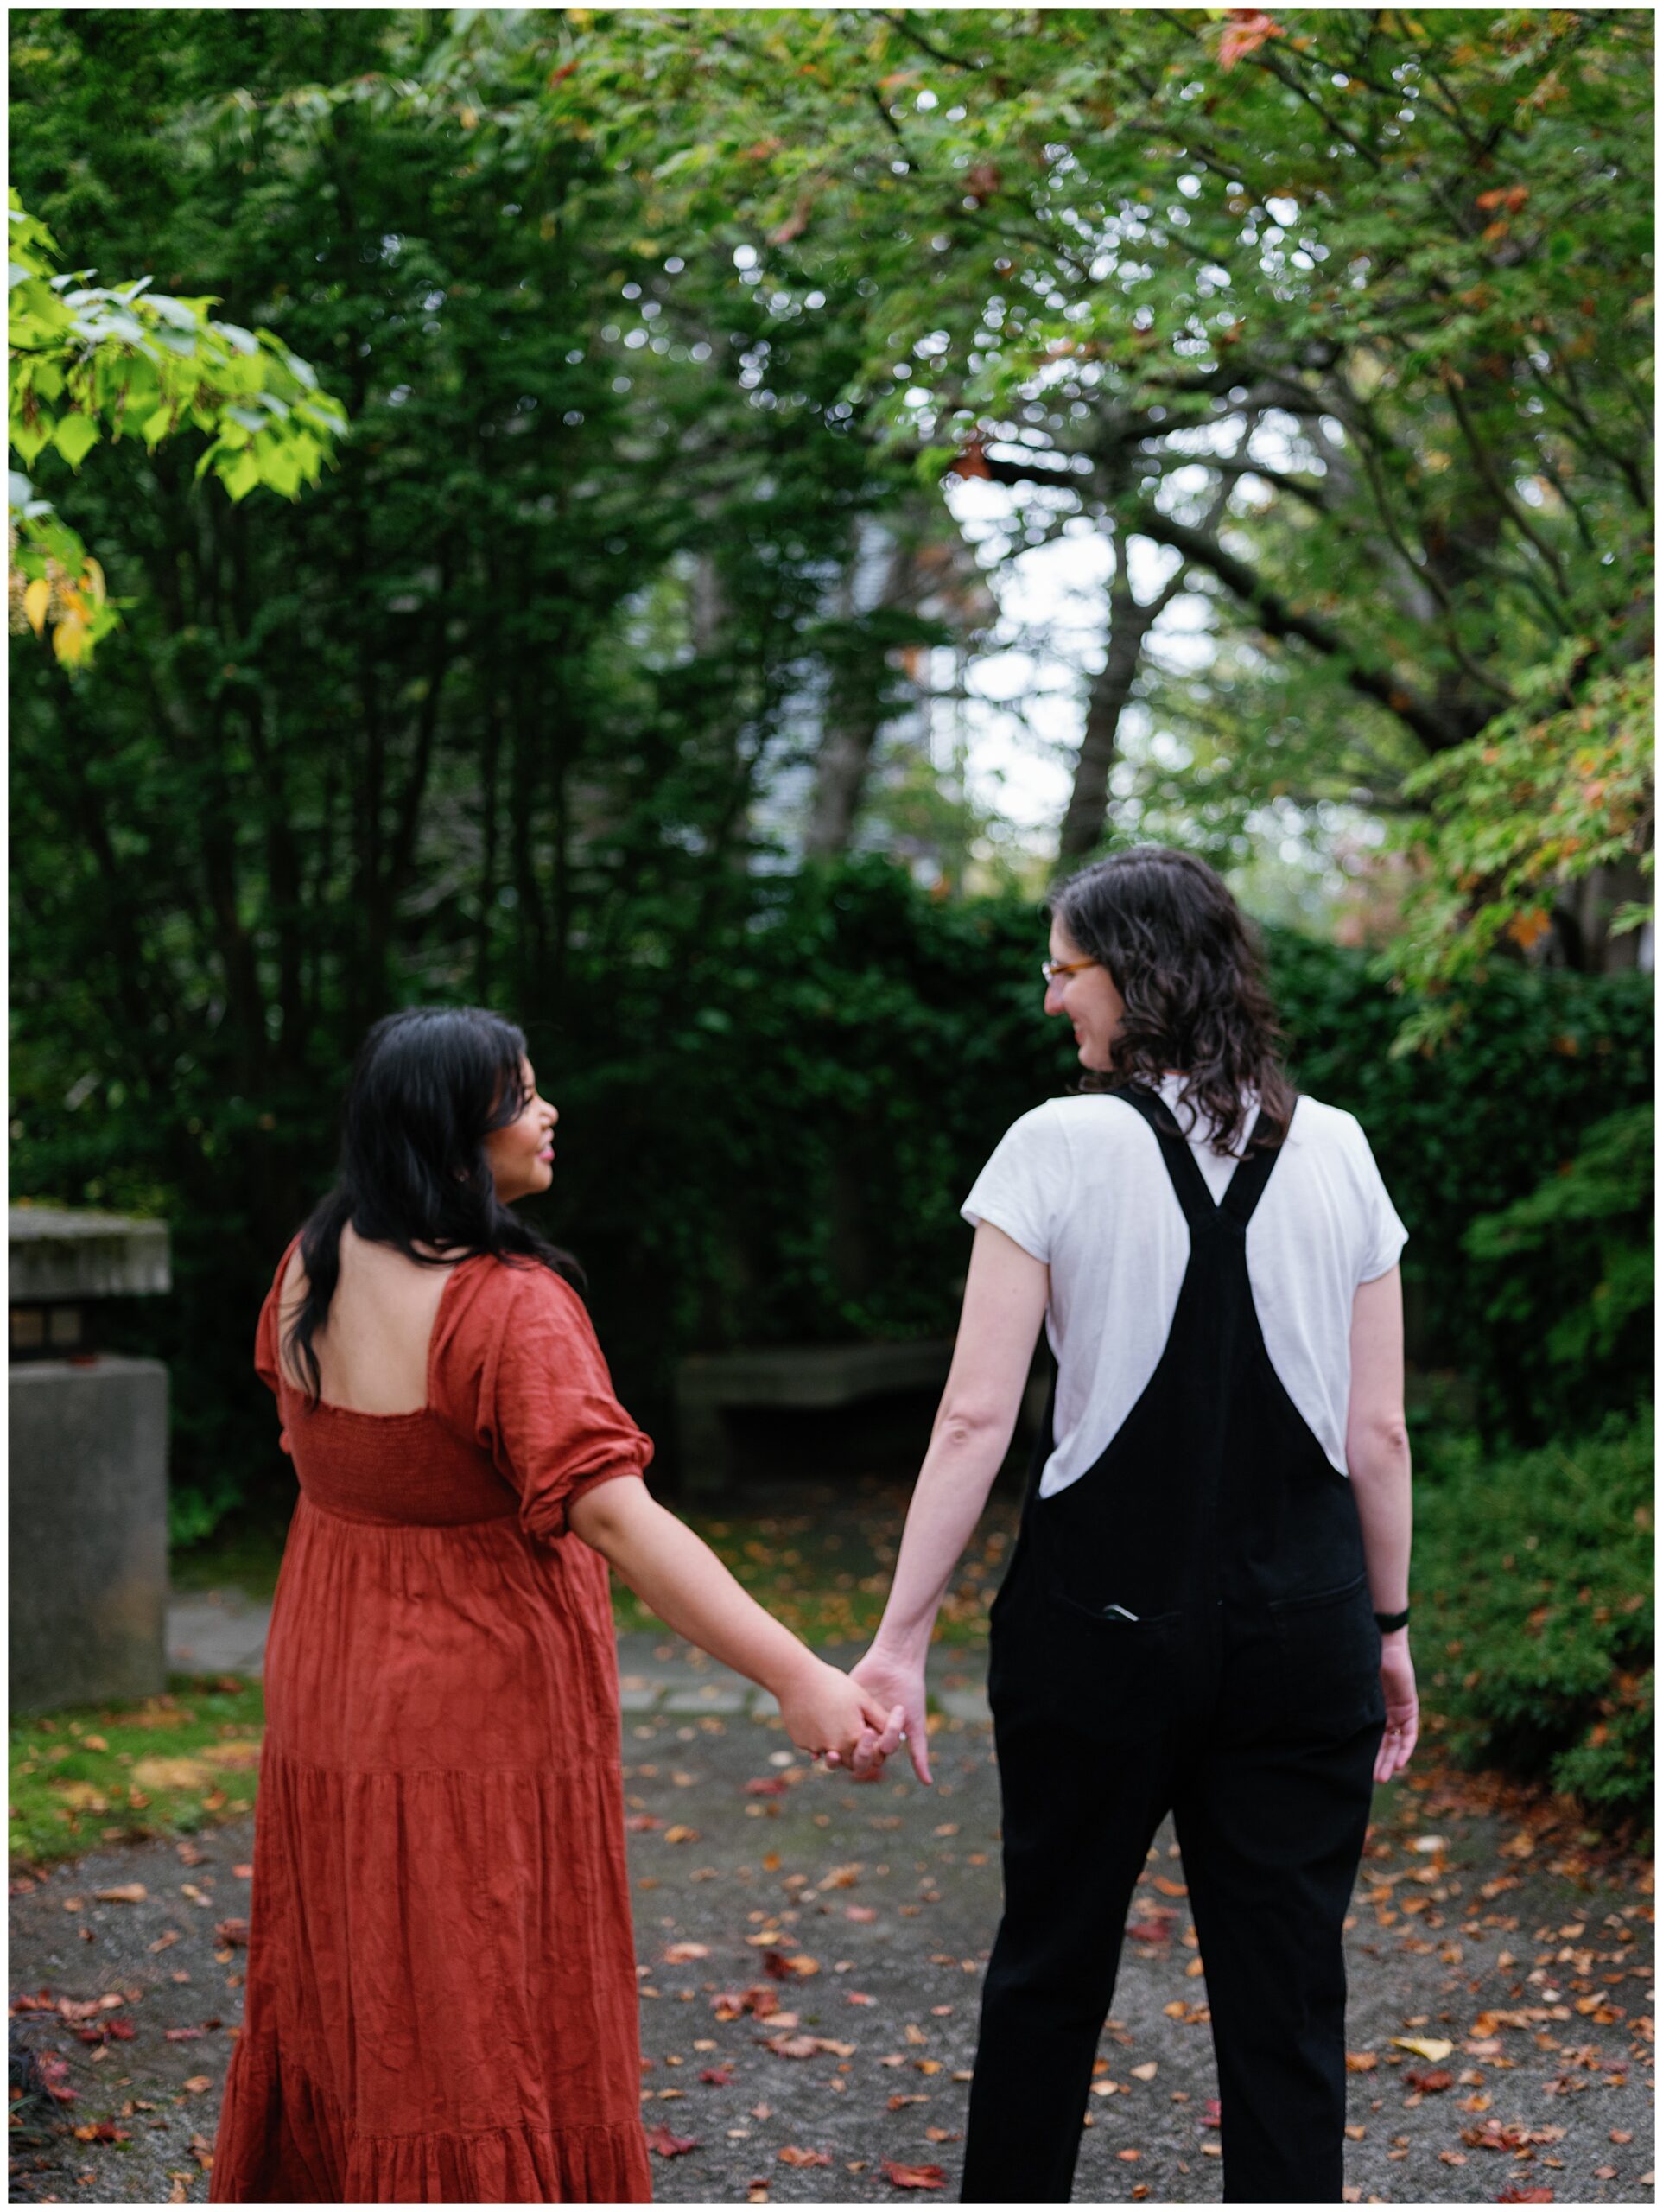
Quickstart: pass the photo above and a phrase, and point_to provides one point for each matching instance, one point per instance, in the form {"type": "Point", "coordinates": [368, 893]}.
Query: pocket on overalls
{"type": "Point", "coordinates": [1098, 1675]}
{"type": "Point", "coordinates": [1329, 1653]}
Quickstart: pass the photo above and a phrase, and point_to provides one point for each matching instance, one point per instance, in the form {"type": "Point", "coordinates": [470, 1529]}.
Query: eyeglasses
{"type": "Point", "coordinates": [1051, 969]}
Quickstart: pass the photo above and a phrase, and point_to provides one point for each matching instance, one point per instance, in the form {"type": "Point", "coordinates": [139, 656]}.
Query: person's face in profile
{"type": "Point", "coordinates": [1083, 991]}
{"type": "Point", "coordinates": [522, 1156]}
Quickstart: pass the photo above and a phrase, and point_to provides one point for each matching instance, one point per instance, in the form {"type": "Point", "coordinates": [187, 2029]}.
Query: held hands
{"type": "Point", "coordinates": [1397, 1675]}
{"type": "Point", "coordinates": [826, 1714]}
{"type": "Point", "coordinates": [897, 1683]}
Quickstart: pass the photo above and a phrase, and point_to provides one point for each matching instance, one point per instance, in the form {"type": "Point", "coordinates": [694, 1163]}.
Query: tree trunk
{"type": "Point", "coordinates": [1129, 624]}
{"type": "Point", "coordinates": [854, 718]}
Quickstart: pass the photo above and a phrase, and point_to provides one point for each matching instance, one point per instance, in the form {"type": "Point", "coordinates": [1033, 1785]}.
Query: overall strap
{"type": "Point", "coordinates": [1189, 1184]}
{"type": "Point", "coordinates": [1247, 1186]}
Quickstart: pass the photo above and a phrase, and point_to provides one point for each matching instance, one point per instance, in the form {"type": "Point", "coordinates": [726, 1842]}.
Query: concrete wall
{"type": "Point", "coordinates": [89, 1531]}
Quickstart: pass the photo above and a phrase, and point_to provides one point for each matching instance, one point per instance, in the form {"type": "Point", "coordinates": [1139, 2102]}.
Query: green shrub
{"type": "Point", "coordinates": [1533, 1598]}
{"type": "Point", "coordinates": [1566, 1275]}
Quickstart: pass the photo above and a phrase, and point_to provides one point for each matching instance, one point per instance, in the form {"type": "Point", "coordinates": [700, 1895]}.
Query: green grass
{"type": "Point", "coordinates": [102, 1774]}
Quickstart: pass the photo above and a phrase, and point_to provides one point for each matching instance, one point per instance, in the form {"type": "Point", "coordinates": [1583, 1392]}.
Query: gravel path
{"type": "Point", "coordinates": [863, 1917]}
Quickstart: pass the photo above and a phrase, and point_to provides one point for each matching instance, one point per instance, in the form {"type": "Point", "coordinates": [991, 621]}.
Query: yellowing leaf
{"type": "Point", "coordinates": [37, 597]}
{"type": "Point", "coordinates": [1424, 2046]}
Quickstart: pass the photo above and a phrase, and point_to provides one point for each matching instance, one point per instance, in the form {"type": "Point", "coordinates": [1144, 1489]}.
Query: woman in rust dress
{"type": "Point", "coordinates": [440, 1999]}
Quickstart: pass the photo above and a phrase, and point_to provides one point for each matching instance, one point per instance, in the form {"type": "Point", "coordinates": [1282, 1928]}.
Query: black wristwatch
{"type": "Point", "coordinates": [1386, 1622]}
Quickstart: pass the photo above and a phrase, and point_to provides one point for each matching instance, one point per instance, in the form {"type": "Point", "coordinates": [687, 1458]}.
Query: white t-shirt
{"type": "Point", "coordinates": [1080, 1183]}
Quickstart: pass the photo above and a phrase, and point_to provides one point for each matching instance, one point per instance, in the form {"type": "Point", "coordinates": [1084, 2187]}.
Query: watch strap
{"type": "Point", "coordinates": [1386, 1622]}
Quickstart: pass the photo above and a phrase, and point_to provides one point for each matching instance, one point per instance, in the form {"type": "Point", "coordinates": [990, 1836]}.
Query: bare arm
{"type": "Point", "coordinates": [1377, 1454]}
{"type": "Point", "coordinates": [1005, 1299]}
{"type": "Point", "coordinates": [680, 1578]}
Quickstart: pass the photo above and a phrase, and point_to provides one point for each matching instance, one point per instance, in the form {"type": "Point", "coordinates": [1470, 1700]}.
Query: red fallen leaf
{"type": "Point", "coordinates": [1210, 2115]}
{"type": "Point", "coordinates": [230, 1931]}
{"type": "Point", "coordinates": [122, 2031]}
{"type": "Point", "coordinates": [791, 2046]}
{"type": "Point", "coordinates": [100, 2131]}
{"type": "Point", "coordinates": [638, 1823]}
{"type": "Point", "coordinates": [1427, 2083]}
{"type": "Point", "coordinates": [719, 2076]}
{"type": "Point", "coordinates": [731, 2004]}
{"type": "Point", "coordinates": [185, 2034]}
{"type": "Point", "coordinates": [861, 1912]}
{"type": "Point", "coordinates": [767, 1785]}
{"type": "Point", "coordinates": [912, 2176]}
{"type": "Point", "coordinates": [42, 2002]}
{"type": "Point", "coordinates": [1512, 2195]}
{"type": "Point", "coordinates": [54, 2079]}
{"type": "Point", "coordinates": [858, 1997]}
{"type": "Point", "coordinates": [1155, 1927]}
{"type": "Point", "coordinates": [792, 2155]}
{"type": "Point", "coordinates": [667, 2146]}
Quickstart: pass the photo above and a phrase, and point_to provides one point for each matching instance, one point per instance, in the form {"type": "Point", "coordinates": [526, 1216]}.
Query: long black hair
{"type": "Point", "coordinates": [1191, 969]}
{"type": "Point", "coordinates": [427, 1087]}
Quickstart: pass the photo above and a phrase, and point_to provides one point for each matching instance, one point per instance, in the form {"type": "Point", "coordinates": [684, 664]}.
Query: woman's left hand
{"type": "Point", "coordinates": [1397, 1675]}
{"type": "Point", "coordinates": [894, 1682]}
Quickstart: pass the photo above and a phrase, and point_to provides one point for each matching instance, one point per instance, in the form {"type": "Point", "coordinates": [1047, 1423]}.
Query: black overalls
{"type": "Point", "coordinates": [1187, 1627]}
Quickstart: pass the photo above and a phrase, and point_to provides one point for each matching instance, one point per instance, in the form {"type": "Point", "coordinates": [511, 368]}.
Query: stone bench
{"type": "Point", "coordinates": [806, 1378]}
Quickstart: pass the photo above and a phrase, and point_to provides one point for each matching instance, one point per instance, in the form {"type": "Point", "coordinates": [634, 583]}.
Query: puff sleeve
{"type": "Point", "coordinates": [522, 1372]}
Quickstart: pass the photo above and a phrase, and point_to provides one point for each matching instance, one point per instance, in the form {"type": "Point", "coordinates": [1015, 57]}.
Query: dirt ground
{"type": "Point", "coordinates": [810, 1965]}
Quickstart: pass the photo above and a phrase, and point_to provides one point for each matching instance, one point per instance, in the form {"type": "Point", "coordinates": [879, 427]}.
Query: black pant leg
{"type": "Point", "coordinates": [1078, 1819]}
{"type": "Point", "coordinates": [1272, 1832]}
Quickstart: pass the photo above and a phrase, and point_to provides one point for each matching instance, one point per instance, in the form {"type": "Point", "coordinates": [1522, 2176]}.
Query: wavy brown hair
{"type": "Point", "coordinates": [1191, 969]}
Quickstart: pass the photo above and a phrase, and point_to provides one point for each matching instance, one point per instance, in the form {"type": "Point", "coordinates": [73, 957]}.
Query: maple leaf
{"type": "Point", "coordinates": [667, 2146]}
{"type": "Point", "coordinates": [900, 2177]}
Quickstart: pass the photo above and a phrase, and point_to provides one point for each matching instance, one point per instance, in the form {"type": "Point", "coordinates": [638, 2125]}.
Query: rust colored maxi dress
{"type": "Point", "coordinates": [441, 1973]}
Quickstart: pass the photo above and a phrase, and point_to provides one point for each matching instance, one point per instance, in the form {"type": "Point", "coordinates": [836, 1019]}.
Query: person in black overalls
{"type": "Point", "coordinates": [1179, 1605]}
{"type": "Point", "coordinates": [1187, 1625]}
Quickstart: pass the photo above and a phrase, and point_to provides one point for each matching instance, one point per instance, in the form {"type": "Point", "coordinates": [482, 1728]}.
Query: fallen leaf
{"type": "Point", "coordinates": [126, 1893]}
{"type": "Point", "coordinates": [1128, 2156]}
{"type": "Point", "coordinates": [1513, 2194]}
{"type": "Point", "coordinates": [168, 1937]}
{"type": "Point", "coordinates": [1429, 2083]}
{"type": "Point", "coordinates": [680, 1835]}
{"type": "Point", "coordinates": [767, 1785]}
{"type": "Point", "coordinates": [94, 1743]}
{"type": "Point", "coordinates": [185, 2034]}
{"type": "Point", "coordinates": [902, 2098]}
{"type": "Point", "coordinates": [1453, 2157]}
{"type": "Point", "coordinates": [1433, 2047]}
{"type": "Point", "coordinates": [719, 2077]}
{"type": "Point", "coordinates": [678, 1954]}
{"type": "Point", "coordinates": [1148, 2071]}
{"type": "Point", "coordinates": [1169, 1888]}
{"type": "Point", "coordinates": [171, 1774]}
{"type": "Point", "coordinates": [858, 1997]}
{"type": "Point", "coordinates": [667, 2146]}
{"type": "Point", "coordinates": [244, 1873]}
{"type": "Point", "coordinates": [861, 1912]}
{"type": "Point", "coordinates": [101, 2130]}
{"type": "Point", "coordinates": [54, 2079]}
{"type": "Point", "coordinates": [1361, 2062]}
{"type": "Point", "coordinates": [782, 1965]}
{"type": "Point", "coordinates": [198, 2083]}
{"type": "Point", "coordinates": [230, 1931]}
{"type": "Point", "coordinates": [912, 2176]}
{"type": "Point", "coordinates": [792, 2155]}
{"type": "Point", "coordinates": [792, 2046]}
{"type": "Point", "coordinates": [638, 1823]}
{"type": "Point", "coordinates": [842, 1878]}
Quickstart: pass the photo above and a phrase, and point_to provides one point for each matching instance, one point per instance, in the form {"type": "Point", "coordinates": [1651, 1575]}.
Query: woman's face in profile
{"type": "Point", "coordinates": [1087, 999]}
{"type": "Point", "coordinates": [522, 1156]}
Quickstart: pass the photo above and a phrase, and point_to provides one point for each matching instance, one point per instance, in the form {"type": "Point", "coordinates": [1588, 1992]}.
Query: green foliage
{"type": "Point", "coordinates": [1546, 793]}
{"type": "Point", "coordinates": [1533, 1596]}
{"type": "Point", "coordinates": [88, 362]}
{"type": "Point", "coordinates": [1566, 1279]}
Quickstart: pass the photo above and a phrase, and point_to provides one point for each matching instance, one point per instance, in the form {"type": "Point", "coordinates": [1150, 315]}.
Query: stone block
{"type": "Point", "coordinates": [60, 1252]}
{"type": "Point", "coordinates": [89, 1531]}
